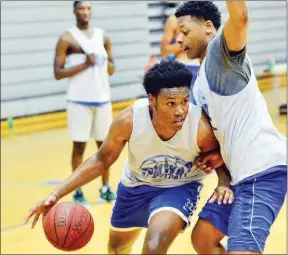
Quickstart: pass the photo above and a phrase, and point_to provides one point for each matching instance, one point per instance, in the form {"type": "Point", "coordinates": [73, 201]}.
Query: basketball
{"type": "Point", "coordinates": [68, 226]}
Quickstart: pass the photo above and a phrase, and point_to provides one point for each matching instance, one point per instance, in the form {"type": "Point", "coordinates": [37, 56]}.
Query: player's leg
{"type": "Point", "coordinates": [206, 238]}
{"type": "Point", "coordinates": [169, 215]}
{"type": "Point", "coordinates": [210, 228]}
{"type": "Point", "coordinates": [121, 242]}
{"type": "Point", "coordinates": [100, 128]}
{"type": "Point", "coordinates": [79, 126]}
{"type": "Point", "coordinates": [130, 214]}
{"type": "Point", "coordinates": [163, 228]}
{"type": "Point", "coordinates": [257, 203]}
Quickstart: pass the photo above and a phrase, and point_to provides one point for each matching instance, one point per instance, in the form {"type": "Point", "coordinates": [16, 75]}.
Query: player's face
{"type": "Point", "coordinates": [193, 35]}
{"type": "Point", "coordinates": [171, 106]}
{"type": "Point", "coordinates": [83, 11]}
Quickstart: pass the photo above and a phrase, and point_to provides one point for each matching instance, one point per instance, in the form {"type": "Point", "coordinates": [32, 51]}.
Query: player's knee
{"type": "Point", "coordinates": [78, 148]}
{"type": "Point", "coordinates": [156, 244]}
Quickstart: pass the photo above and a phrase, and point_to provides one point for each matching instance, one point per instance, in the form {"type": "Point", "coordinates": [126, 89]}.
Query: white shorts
{"type": "Point", "coordinates": [86, 122]}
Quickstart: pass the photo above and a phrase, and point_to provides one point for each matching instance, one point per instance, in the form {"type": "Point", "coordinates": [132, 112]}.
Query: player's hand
{"type": "Point", "coordinates": [41, 208]}
{"type": "Point", "coordinates": [91, 59]}
{"type": "Point", "coordinates": [223, 194]}
{"type": "Point", "coordinates": [209, 162]}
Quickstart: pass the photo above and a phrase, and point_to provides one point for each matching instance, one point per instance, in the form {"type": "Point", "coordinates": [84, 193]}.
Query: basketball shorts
{"type": "Point", "coordinates": [247, 221]}
{"type": "Point", "coordinates": [86, 122]}
{"type": "Point", "coordinates": [135, 206]}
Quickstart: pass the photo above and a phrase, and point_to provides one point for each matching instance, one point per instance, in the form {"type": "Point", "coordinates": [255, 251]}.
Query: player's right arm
{"type": "Point", "coordinates": [60, 72]}
{"type": "Point", "coordinates": [94, 166]}
{"type": "Point", "coordinates": [166, 47]}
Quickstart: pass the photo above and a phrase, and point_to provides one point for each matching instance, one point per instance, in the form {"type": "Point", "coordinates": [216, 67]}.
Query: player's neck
{"type": "Point", "coordinates": [204, 50]}
{"type": "Point", "coordinates": [165, 133]}
{"type": "Point", "coordinates": [83, 26]}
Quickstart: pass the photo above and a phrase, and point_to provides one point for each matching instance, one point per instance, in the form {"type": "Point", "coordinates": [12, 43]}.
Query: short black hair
{"type": "Point", "coordinates": [166, 74]}
{"type": "Point", "coordinates": [75, 3]}
{"type": "Point", "coordinates": [206, 10]}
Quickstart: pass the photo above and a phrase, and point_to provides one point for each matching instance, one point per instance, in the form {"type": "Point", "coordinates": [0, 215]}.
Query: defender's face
{"type": "Point", "coordinates": [83, 12]}
{"type": "Point", "coordinates": [171, 106]}
{"type": "Point", "coordinates": [192, 35]}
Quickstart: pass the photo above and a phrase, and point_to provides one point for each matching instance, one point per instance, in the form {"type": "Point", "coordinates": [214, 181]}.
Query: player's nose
{"type": "Point", "coordinates": [180, 38]}
{"type": "Point", "coordinates": [179, 111]}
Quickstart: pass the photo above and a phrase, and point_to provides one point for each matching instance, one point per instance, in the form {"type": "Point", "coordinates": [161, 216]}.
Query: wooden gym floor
{"type": "Point", "coordinates": [33, 164]}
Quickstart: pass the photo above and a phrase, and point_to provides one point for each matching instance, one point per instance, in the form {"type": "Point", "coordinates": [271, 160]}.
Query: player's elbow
{"type": "Point", "coordinates": [242, 18]}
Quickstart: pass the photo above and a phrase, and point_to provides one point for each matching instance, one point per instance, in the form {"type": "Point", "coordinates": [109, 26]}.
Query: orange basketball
{"type": "Point", "coordinates": [68, 226]}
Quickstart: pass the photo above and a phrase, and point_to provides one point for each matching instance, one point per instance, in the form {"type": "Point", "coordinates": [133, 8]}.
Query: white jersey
{"type": "Point", "coordinates": [92, 84]}
{"type": "Point", "coordinates": [152, 161]}
{"type": "Point", "coordinates": [249, 141]}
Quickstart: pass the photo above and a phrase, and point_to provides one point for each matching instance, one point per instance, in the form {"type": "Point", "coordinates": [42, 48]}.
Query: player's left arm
{"type": "Point", "coordinates": [236, 27]}
{"type": "Point", "coordinates": [108, 47]}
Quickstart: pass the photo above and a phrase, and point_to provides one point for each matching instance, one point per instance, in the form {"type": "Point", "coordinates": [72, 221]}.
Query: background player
{"type": "Point", "coordinates": [86, 51]}
{"type": "Point", "coordinates": [252, 148]}
{"type": "Point", "coordinates": [170, 47]}
{"type": "Point", "coordinates": [160, 186]}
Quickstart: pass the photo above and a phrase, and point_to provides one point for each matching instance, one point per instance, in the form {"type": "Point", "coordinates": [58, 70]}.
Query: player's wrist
{"type": "Point", "coordinates": [55, 194]}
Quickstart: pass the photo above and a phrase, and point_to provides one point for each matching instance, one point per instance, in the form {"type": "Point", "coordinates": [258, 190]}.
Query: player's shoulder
{"type": "Point", "coordinates": [66, 37]}
{"type": "Point", "coordinates": [123, 122]}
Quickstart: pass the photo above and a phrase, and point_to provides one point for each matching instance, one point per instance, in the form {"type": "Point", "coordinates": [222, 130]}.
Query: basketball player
{"type": "Point", "coordinates": [170, 47]}
{"type": "Point", "coordinates": [86, 51]}
{"type": "Point", "coordinates": [252, 148]}
{"type": "Point", "coordinates": [160, 185]}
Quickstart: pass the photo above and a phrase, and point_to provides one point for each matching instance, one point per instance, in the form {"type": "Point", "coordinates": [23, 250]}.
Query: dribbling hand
{"type": "Point", "coordinates": [222, 194]}
{"type": "Point", "coordinates": [42, 208]}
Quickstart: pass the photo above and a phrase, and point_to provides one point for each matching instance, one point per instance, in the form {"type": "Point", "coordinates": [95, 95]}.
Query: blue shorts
{"type": "Point", "coordinates": [247, 221]}
{"type": "Point", "coordinates": [135, 206]}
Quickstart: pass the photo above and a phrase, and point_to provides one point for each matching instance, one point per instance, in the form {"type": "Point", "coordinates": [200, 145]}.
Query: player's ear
{"type": "Point", "coordinates": [152, 101]}
{"type": "Point", "coordinates": [208, 27]}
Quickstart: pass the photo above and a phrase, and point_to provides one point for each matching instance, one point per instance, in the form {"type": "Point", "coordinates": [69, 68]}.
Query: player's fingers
{"type": "Point", "coordinates": [213, 198]}
{"type": "Point", "coordinates": [206, 159]}
{"type": "Point", "coordinates": [220, 196]}
{"type": "Point", "coordinates": [35, 220]}
{"type": "Point", "coordinates": [231, 198]}
{"type": "Point", "coordinates": [226, 196]}
{"type": "Point", "coordinates": [30, 214]}
{"type": "Point", "coordinates": [209, 170]}
{"type": "Point", "coordinates": [197, 163]}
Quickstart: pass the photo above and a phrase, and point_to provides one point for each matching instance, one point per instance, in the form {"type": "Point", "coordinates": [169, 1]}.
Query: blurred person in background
{"type": "Point", "coordinates": [169, 46]}
{"type": "Point", "coordinates": [83, 55]}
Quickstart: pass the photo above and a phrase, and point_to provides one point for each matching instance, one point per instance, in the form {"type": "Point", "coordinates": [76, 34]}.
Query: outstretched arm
{"type": "Point", "coordinates": [93, 167]}
{"type": "Point", "coordinates": [236, 27]}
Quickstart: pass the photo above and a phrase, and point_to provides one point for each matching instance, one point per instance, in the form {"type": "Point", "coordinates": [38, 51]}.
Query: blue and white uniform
{"type": "Point", "coordinates": [158, 175]}
{"type": "Point", "coordinates": [252, 148]}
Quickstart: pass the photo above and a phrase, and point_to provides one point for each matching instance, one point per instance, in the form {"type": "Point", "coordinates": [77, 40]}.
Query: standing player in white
{"type": "Point", "coordinates": [83, 55]}
{"type": "Point", "coordinates": [252, 148]}
{"type": "Point", "coordinates": [160, 184]}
